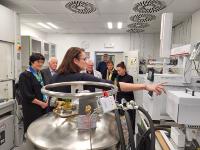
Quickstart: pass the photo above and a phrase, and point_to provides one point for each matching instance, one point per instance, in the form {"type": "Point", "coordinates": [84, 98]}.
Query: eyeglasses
{"type": "Point", "coordinates": [83, 58]}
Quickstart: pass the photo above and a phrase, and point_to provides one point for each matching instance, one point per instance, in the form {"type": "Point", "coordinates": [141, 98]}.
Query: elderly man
{"type": "Point", "coordinates": [50, 71]}
{"type": "Point", "coordinates": [90, 69]}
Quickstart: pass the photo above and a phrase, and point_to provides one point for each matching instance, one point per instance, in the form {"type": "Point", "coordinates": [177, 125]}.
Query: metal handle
{"type": "Point", "coordinates": [188, 89]}
{"type": "Point", "coordinates": [45, 90]}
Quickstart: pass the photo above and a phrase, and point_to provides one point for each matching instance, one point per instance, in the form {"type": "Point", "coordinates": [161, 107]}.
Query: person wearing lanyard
{"type": "Point", "coordinates": [74, 62]}
{"type": "Point", "coordinates": [34, 103]}
{"type": "Point", "coordinates": [110, 73]}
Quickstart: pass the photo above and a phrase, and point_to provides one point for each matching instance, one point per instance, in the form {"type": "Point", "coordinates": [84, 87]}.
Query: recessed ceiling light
{"type": "Point", "coordinates": [52, 25]}
{"type": "Point", "coordinates": [110, 25]}
{"type": "Point", "coordinates": [119, 25]}
{"type": "Point", "coordinates": [44, 25]}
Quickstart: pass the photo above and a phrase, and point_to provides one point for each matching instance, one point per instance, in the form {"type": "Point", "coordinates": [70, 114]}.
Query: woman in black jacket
{"type": "Point", "coordinates": [34, 103]}
{"type": "Point", "coordinates": [110, 73]}
{"type": "Point", "coordinates": [123, 76]}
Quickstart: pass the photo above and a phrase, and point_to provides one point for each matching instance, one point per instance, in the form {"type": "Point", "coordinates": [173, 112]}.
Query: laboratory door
{"type": "Point", "coordinates": [116, 57]}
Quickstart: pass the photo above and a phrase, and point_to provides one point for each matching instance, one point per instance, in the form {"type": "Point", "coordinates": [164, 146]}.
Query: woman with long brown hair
{"type": "Point", "coordinates": [75, 60]}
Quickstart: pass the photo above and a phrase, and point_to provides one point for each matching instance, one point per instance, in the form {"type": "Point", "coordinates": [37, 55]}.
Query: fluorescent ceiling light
{"type": "Point", "coordinates": [110, 25]}
{"type": "Point", "coordinates": [119, 25]}
{"type": "Point", "coordinates": [44, 25]}
{"type": "Point", "coordinates": [52, 25]}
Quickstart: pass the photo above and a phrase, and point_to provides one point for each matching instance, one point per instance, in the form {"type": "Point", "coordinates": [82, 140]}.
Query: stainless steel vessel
{"type": "Point", "coordinates": [55, 132]}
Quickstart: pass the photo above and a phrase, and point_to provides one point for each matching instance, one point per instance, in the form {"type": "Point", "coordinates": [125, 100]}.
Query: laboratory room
{"type": "Point", "coordinates": [100, 75]}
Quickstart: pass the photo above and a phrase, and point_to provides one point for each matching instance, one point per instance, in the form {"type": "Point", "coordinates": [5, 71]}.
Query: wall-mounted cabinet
{"type": "Point", "coordinates": [32, 45]}
{"type": "Point", "coordinates": [46, 53]}
{"type": "Point", "coordinates": [29, 46]}
{"type": "Point", "coordinates": [52, 50]}
{"type": "Point", "coordinates": [7, 24]}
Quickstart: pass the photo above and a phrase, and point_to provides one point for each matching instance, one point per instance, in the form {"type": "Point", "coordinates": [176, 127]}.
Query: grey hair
{"type": "Point", "coordinates": [51, 58]}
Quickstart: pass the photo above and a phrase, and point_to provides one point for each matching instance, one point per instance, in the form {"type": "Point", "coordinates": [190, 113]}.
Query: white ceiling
{"type": "Point", "coordinates": [33, 11]}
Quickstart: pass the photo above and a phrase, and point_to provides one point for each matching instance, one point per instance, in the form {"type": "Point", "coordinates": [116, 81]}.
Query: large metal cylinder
{"type": "Point", "coordinates": [53, 132]}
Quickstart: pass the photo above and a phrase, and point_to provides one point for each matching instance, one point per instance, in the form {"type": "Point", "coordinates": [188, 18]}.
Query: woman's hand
{"type": "Point", "coordinates": [44, 105]}
{"type": "Point", "coordinates": [157, 88]}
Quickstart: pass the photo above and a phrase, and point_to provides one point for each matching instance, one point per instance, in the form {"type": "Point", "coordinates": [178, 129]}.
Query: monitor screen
{"type": "Point", "coordinates": [150, 76]}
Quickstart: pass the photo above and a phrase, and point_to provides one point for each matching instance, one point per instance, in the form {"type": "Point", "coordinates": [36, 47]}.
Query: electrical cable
{"type": "Point", "coordinates": [120, 130]}
{"type": "Point", "coordinates": [130, 130]}
{"type": "Point", "coordinates": [152, 129]}
{"type": "Point", "coordinates": [147, 133]}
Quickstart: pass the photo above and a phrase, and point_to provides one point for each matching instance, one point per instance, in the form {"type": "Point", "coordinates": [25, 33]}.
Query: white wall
{"type": "Point", "coordinates": [195, 31]}
{"type": "Point", "coordinates": [146, 44]}
{"type": "Point", "coordinates": [25, 30]}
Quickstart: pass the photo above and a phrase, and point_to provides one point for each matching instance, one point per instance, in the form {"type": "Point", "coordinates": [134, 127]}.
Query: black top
{"type": "Point", "coordinates": [102, 67]}
{"type": "Point", "coordinates": [47, 75]}
{"type": "Point", "coordinates": [76, 77]}
{"type": "Point", "coordinates": [30, 89]}
{"type": "Point", "coordinates": [126, 95]}
{"type": "Point", "coordinates": [114, 75]}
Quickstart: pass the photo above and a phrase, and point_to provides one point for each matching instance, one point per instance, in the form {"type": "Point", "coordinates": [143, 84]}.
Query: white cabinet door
{"type": "Point", "coordinates": [7, 24]}
{"type": "Point", "coordinates": [6, 61]}
{"type": "Point", "coordinates": [132, 63]}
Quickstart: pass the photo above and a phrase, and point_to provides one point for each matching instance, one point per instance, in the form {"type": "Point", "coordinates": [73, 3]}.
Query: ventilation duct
{"type": "Point", "coordinates": [142, 17]}
{"type": "Point", "coordinates": [138, 25]}
{"type": "Point", "coordinates": [135, 30]}
{"type": "Point", "coordinates": [80, 7]}
{"type": "Point", "coordinates": [149, 6]}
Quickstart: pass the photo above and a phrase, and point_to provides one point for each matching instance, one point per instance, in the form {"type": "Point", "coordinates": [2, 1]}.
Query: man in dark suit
{"type": "Point", "coordinates": [102, 66]}
{"type": "Point", "coordinates": [50, 71]}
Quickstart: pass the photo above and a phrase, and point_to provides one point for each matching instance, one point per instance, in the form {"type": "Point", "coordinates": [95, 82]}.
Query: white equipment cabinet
{"type": "Point", "coordinates": [6, 125]}
{"type": "Point", "coordinates": [183, 108]}
{"type": "Point", "coordinates": [156, 105]}
{"type": "Point", "coordinates": [9, 33]}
